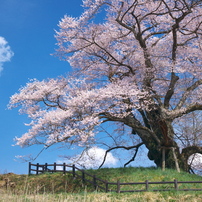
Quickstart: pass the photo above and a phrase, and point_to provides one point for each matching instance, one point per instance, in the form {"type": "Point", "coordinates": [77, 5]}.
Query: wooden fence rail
{"type": "Point", "coordinates": [111, 186]}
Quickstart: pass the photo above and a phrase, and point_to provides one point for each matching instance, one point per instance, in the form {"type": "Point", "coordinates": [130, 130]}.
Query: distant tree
{"type": "Point", "coordinates": [188, 132]}
{"type": "Point", "coordinates": [137, 63]}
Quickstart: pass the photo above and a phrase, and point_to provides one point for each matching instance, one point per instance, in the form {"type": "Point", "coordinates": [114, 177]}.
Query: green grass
{"type": "Point", "coordinates": [104, 197]}
{"type": "Point", "coordinates": [141, 174]}
{"type": "Point", "coordinates": [59, 187]}
{"type": "Point", "coordinates": [151, 174]}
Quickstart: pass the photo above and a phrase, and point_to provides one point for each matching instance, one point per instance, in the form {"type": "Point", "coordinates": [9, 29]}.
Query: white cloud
{"type": "Point", "coordinates": [195, 160]}
{"type": "Point", "coordinates": [5, 52]}
{"type": "Point", "coordinates": [92, 158]}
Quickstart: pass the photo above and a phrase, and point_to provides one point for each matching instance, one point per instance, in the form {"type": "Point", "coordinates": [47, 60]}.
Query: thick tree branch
{"type": "Point", "coordinates": [170, 91]}
{"type": "Point", "coordinates": [132, 122]}
{"type": "Point", "coordinates": [171, 115]}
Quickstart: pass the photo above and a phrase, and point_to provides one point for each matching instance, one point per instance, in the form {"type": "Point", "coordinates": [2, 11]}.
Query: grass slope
{"type": "Point", "coordinates": [59, 187]}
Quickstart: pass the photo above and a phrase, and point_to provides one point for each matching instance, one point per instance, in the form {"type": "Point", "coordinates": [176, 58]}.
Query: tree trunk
{"type": "Point", "coordinates": [172, 157]}
{"type": "Point", "coordinates": [165, 134]}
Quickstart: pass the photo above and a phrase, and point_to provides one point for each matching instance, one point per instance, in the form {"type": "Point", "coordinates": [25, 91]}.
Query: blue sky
{"type": "Point", "coordinates": [28, 27]}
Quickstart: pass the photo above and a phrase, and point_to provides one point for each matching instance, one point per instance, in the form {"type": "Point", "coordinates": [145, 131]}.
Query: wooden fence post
{"type": "Point", "coordinates": [30, 165]}
{"type": "Point", "coordinates": [118, 186]}
{"type": "Point", "coordinates": [163, 159]}
{"type": "Point", "coordinates": [45, 167]}
{"type": "Point", "coordinates": [64, 168]}
{"type": "Point", "coordinates": [147, 185]}
{"type": "Point", "coordinates": [73, 171]}
{"type": "Point", "coordinates": [37, 168]}
{"type": "Point", "coordinates": [175, 184]}
{"type": "Point", "coordinates": [176, 161]}
{"type": "Point", "coordinates": [106, 186]}
{"type": "Point", "coordinates": [94, 182]}
{"type": "Point", "coordinates": [83, 176]}
{"type": "Point", "coordinates": [54, 167]}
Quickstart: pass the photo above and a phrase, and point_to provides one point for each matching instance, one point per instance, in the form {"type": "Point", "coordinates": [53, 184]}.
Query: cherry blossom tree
{"type": "Point", "coordinates": [136, 62]}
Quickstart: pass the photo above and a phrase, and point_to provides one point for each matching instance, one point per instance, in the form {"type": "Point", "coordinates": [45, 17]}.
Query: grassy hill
{"type": "Point", "coordinates": [59, 187]}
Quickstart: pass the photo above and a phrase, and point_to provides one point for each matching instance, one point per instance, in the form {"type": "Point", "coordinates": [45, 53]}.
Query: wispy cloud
{"type": "Point", "coordinates": [5, 52]}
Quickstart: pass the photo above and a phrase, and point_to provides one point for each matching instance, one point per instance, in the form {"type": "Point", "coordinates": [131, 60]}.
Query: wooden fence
{"type": "Point", "coordinates": [106, 186]}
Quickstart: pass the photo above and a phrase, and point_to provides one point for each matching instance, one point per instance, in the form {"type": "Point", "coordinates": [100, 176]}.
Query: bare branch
{"type": "Point", "coordinates": [134, 156]}
{"type": "Point", "coordinates": [119, 147]}
{"type": "Point", "coordinates": [187, 92]}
